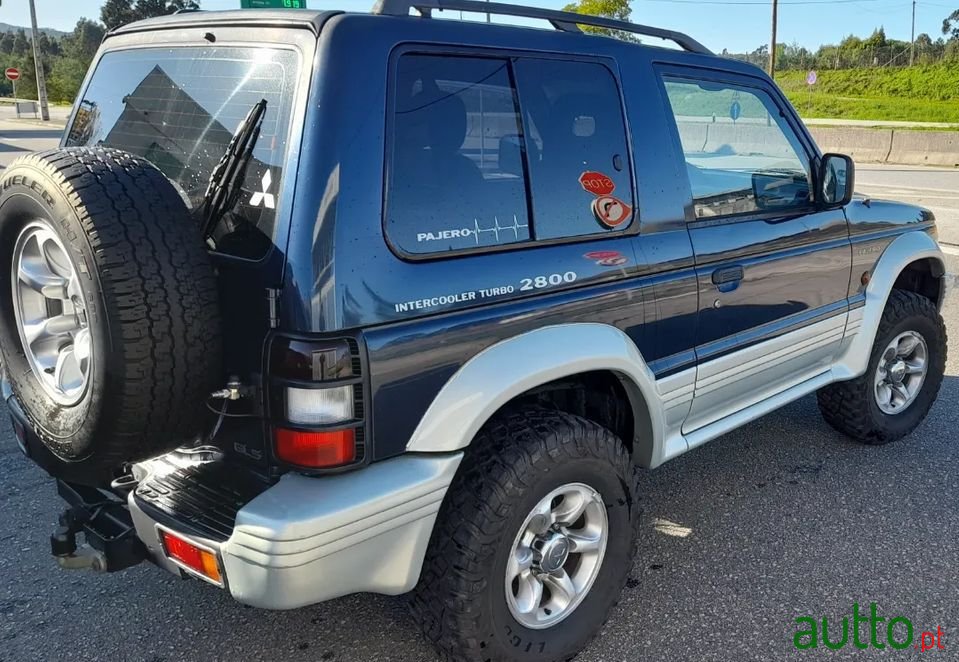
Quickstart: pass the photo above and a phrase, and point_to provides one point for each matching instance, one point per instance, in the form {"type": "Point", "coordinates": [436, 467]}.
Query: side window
{"type": "Point", "coordinates": [577, 148]}
{"type": "Point", "coordinates": [457, 174]}
{"type": "Point", "coordinates": [741, 155]}
{"type": "Point", "coordinates": [488, 152]}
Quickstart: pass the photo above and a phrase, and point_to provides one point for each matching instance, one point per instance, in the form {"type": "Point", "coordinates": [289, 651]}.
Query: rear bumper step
{"type": "Point", "coordinates": [303, 539]}
{"type": "Point", "coordinates": [298, 541]}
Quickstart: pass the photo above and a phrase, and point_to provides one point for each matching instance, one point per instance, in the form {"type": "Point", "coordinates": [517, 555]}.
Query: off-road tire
{"type": "Point", "coordinates": [516, 460]}
{"type": "Point", "coordinates": [151, 300]}
{"type": "Point", "coordinates": [850, 407]}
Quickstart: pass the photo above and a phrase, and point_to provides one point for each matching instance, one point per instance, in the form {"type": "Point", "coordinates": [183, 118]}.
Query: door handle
{"type": "Point", "coordinates": [727, 275]}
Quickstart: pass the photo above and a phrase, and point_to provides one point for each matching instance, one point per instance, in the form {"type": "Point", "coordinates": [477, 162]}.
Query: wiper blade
{"type": "Point", "coordinates": [226, 180]}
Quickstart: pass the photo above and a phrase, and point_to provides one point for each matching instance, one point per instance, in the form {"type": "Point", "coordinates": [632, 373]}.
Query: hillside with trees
{"type": "Point", "coordinates": [66, 56]}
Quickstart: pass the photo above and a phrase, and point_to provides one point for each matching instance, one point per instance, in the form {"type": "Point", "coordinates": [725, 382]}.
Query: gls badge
{"type": "Point", "coordinates": [264, 196]}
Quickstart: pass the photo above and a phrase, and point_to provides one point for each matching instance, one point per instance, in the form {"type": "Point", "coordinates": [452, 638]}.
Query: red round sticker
{"type": "Point", "coordinates": [596, 183]}
{"type": "Point", "coordinates": [610, 211]}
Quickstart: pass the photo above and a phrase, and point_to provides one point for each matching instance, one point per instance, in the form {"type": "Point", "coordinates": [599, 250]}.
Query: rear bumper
{"type": "Point", "coordinates": [306, 540]}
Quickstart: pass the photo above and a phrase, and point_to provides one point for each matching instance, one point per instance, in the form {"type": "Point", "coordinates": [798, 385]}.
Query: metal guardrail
{"type": "Point", "coordinates": [22, 106]}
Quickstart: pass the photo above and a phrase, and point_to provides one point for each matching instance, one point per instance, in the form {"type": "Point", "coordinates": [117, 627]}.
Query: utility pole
{"type": "Point", "coordinates": [772, 42]}
{"type": "Point", "coordinates": [41, 83]}
{"type": "Point", "coordinates": [912, 41]}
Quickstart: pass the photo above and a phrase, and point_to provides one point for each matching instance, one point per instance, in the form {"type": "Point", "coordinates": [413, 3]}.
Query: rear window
{"type": "Point", "coordinates": [490, 152]}
{"type": "Point", "coordinates": [179, 108]}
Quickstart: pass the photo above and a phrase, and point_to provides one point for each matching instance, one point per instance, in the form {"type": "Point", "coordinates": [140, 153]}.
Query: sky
{"type": "Point", "coordinates": [739, 25]}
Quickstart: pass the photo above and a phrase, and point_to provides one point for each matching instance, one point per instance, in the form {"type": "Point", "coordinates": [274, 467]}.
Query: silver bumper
{"type": "Point", "coordinates": [306, 540]}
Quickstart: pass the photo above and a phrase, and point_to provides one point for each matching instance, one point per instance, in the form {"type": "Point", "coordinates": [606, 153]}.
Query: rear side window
{"type": "Point", "coordinates": [179, 107]}
{"type": "Point", "coordinates": [742, 157]}
{"type": "Point", "coordinates": [490, 152]}
{"type": "Point", "coordinates": [457, 169]}
{"type": "Point", "coordinates": [576, 129]}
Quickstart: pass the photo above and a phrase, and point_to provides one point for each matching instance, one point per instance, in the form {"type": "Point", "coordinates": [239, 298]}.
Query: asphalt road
{"type": "Point", "coordinates": [934, 188]}
{"type": "Point", "coordinates": [781, 519]}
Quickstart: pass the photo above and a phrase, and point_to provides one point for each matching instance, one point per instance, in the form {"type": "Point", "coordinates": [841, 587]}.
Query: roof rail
{"type": "Point", "coordinates": [561, 20]}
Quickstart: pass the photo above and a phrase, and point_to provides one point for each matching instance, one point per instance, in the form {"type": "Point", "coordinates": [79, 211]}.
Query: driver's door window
{"type": "Point", "coordinates": [741, 156]}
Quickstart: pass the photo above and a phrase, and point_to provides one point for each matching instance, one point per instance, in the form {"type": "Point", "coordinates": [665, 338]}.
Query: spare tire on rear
{"type": "Point", "coordinates": [109, 326]}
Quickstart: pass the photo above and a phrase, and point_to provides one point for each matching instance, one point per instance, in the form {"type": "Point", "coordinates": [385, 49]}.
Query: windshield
{"type": "Point", "coordinates": [179, 108]}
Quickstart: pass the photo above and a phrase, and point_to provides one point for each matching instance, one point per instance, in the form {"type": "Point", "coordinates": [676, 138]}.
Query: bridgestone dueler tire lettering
{"type": "Point", "coordinates": [151, 299]}
{"type": "Point", "coordinates": [850, 407]}
{"type": "Point", "coordinates": [519, 457]}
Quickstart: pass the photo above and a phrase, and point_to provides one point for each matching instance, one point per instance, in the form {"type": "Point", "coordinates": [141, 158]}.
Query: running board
{"type": "Point", "coordinates": [729, 423]}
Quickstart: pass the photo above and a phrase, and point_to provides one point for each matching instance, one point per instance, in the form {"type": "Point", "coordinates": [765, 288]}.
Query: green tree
{"type": "Point", "coordinates": [6, 43]}
{"type": "Point", "coordinates": [615, 9]}
{"type": "Point", "coordinates": [21, 45]}
{"type": "Point", "coordinates": [78, 49]}
{"type": "Point", "coordinates": [877, 39]}
{"type": "Point", "coordinates": [115, 13]}
{"type": "Point", "coordinates": [950, 25]}
{"type": "Point", "coordinates": [150, 8]}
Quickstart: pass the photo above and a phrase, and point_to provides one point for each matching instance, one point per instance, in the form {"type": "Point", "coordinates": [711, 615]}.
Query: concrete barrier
{"type": "Point", "coordinates": [863, 145]}
{"type": "Point", "coordinates": [693, 135]}
{"type": "Point", "coordinates": [900, 146]}
{"type": "Point", "coordinates": [925, 148]}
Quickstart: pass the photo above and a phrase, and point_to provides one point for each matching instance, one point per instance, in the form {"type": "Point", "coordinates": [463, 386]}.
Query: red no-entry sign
{"type": "Point", "coordinates": [12, 73]}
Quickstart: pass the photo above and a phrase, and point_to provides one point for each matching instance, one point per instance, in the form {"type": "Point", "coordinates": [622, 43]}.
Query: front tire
{"type": "Point", "coordinates": [534, 541]}
{"type": "Point", "coordinates": [902, 381]}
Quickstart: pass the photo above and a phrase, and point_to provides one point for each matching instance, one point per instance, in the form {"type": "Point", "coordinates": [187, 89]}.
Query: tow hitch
{"type": "Point", "coordinates": [111, 543]}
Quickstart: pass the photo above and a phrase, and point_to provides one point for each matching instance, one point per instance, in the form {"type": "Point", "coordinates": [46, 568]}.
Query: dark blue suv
{"type": "Point", "coordinates": [315, 303]}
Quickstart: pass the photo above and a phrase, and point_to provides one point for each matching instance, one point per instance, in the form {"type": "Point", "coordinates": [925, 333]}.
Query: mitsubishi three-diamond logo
{"type": "Point", "coordinates": [264, 196]}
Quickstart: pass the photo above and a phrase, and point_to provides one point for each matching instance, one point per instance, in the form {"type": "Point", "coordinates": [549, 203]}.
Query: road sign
{"type": "Point", "coordinates": [811, 78]}
{"type": "Point", "coordinates": [273, 4]}
{"type": "Point", "coordinates": [12, 73]}
{"type": "Point", "coordinates": [735, 110]}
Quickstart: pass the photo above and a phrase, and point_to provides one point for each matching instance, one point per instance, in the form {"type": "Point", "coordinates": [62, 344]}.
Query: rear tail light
{"type": "Point", "coordinates": [315, 449]}
{"type": "Point", "coordinates": [319, 406]}
{"type": "Point", "coordinates": [194, 558]}
{"type": "Point", "coordinates": [316, 400]}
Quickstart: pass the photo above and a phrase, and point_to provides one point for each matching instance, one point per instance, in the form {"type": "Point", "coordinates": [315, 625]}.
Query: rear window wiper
{"type": "Point", "coordinates": [226, 180]}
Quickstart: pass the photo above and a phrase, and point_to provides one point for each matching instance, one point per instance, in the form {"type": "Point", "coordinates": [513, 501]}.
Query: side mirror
{"type": "Point", "coordinates": [778, 191]}
{"type": "Point", "coordinates": [837, 179]}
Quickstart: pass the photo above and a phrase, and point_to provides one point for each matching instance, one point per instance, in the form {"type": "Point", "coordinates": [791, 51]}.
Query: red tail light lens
{"type": "Point", "coordinates": [316, 386]}
{"type": "Point", "coordinates": [201, 561]}
{"type": "Point", "coordinates": [315, 449]}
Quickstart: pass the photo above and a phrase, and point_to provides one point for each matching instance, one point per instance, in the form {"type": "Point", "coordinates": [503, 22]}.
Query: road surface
{"type": "Point", "coordinates": [781, 519]}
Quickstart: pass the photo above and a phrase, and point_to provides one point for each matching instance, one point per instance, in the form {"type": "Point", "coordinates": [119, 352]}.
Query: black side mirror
{"type": "Point", "coordinates": [837, 179]}
{"type": "Point", "coordinates": [779, 191]}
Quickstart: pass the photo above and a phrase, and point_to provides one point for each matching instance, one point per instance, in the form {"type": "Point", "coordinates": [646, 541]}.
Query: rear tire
{"type": "Point", "coordinates": [463, 600]}
{"type": "Point", "coordinates": [129, 268]}
{"type": "Point", "coordinates": [859, 407]}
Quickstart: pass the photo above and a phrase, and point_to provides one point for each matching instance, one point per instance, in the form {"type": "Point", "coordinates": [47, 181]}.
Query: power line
{"type": "Point", "coordinates": [764, 4]}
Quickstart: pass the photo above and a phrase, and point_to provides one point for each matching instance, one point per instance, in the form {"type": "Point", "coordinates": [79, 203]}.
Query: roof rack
{"type": "Point", "coordinates": [561, 20]}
